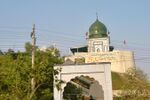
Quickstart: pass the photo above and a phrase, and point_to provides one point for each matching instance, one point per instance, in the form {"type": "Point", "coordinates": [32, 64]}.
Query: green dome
{"type": "Point", "coordinates": [97, 30]}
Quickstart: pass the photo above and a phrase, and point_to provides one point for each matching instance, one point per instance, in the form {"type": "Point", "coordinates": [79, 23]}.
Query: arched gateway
{"type": "Point", "coordinates": [91, 80]}
{"type": "Point", "coordinates": [83, 87]}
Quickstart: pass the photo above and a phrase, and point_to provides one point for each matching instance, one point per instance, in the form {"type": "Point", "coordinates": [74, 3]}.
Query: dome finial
{"type": "Point", "coordinates": [97, 30]}
{"type": "Point", "coordinates": [96, 15]}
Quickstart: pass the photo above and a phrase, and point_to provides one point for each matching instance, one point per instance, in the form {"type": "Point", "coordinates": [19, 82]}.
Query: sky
{"type": "Point", "coordinates": [65, 22]}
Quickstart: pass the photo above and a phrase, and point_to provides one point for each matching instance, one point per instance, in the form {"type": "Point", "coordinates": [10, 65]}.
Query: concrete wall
{"type": "Point", "coordinates": [121, 61]}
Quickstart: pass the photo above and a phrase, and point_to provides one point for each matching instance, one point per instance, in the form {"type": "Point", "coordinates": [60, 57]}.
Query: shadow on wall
{"type": "Point", "coordinates": [83, 88]}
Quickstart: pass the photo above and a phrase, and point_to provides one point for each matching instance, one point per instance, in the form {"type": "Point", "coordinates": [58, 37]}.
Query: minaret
{"type": "Point", "coordinates": [98, 37]}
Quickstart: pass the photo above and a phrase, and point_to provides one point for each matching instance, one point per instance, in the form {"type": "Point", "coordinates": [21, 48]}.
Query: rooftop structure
{"type": "Point", "coordinates": [99, 49]}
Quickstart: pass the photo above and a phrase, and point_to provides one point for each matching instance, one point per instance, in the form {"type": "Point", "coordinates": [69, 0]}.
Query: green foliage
{"type": "Point", "coordinates": [10, 51]}
{"type": "Point", "coordinates": [79, 60]}
{"type": "Point", "coordinates": [71, 92]}
{"type": "Point", "coordinates": [118, 80]}
{"type": "Point", "coordinates": [44, 71]}
{"type": "Point", "coordinates": [136, 86]}
{"type": "Point", "coordinates": [28, 47]}
{"type": "Point", "coordinates": [16, 74]}
{"type": "Point", "coordinates": [1, 53]}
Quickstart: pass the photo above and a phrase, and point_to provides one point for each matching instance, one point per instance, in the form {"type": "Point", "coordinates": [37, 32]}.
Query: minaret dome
{"type": "Point", "coordinates": [97, 30]}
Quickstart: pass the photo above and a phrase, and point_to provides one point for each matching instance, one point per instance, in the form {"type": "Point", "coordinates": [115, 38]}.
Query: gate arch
{"type": "Point", "coordinates": [99, 72]}
{"type": "Point", "coordinates": [81, 87]}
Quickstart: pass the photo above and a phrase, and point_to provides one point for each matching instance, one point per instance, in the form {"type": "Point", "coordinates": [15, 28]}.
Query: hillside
{"type": "Point", "coordinates": [118, 80]}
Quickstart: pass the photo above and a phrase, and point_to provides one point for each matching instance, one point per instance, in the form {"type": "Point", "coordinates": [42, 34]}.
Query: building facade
{"type": "Point", "coordinates": [98, 49]}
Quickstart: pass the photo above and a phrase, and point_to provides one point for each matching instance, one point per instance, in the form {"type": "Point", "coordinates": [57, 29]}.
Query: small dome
{"type": "Point", "coordinates": [97, 30]}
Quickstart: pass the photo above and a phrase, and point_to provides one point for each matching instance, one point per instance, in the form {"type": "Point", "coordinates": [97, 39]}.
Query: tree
{"type": "Point", "coordinates": [54, 51]}
{"type": "Point", "coordinates": [137, 86]}
{"type": "Point", "coordinates": [45, 60]}
{"type": "Point", "coordinates": [71, 92]}
{"type": "Point", "coordinates": [28, 47]}
{"type": "Point", "coordinates": [10, 51]}
{"type": "Point", "coordinates": [16, 74]}
{"type": "Point", "coordinates": [1, 53]}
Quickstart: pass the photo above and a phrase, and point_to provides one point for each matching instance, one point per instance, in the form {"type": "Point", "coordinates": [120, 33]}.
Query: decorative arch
{"type": "Point", "coordinates": [83, 87]}
{"type": "Point", "coordinates": [92, 77]}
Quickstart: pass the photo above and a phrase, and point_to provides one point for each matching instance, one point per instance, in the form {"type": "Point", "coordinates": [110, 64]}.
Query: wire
{"type": "Point", "coordinates": [59, 35]}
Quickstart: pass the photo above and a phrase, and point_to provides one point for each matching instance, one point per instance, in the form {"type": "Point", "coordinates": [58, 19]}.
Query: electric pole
{"type": "Point", "coordinates": [33, 82]}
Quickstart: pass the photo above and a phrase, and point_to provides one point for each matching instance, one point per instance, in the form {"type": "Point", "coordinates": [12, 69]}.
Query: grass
{"type": "Point", "coordinates": [118, 80]}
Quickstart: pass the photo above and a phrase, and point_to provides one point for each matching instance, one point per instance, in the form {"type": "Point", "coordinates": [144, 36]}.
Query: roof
{"type": "Point", "coordinates": [79, 49]}
{"type": "Point", "coordinates": [97, 30]}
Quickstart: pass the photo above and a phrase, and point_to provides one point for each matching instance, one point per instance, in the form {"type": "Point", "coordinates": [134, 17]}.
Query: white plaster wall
{"type": "Point", "coordinates": [105, 44]}
{"type": "Point", "coordinates": [100, 72]}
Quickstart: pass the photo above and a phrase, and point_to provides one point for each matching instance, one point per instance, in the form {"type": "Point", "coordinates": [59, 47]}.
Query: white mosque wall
{"type": "Point", "coordinates": [101, 72]}
{"type": "Point", "coordinates": [98, 43]}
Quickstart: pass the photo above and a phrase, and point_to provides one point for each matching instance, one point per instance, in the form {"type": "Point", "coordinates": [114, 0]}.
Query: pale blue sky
{"type": "Point", "coordinates": [65, 22]}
